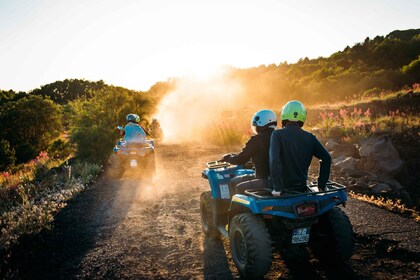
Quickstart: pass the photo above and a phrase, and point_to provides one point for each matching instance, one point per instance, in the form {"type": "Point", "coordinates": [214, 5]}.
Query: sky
{"type": "Point", "coordinates": [136, 43]}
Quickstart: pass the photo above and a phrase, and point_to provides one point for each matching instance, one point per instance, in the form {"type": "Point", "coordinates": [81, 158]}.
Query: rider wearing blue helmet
{"type": "Point", "coordinates": [133, 132]}
{"type": "Point", "coordinates": [256, 149]}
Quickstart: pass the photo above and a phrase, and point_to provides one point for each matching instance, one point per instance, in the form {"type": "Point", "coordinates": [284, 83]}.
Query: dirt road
{"type": "Point", "coordinates": [135, 228]}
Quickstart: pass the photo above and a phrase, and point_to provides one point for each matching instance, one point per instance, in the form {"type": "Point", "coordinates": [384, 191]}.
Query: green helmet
{"type": "Point", "coordinates": [293, 111]}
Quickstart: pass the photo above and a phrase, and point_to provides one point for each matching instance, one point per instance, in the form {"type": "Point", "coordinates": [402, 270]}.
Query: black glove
{"type": "Point", "coordinates": [226, 157]}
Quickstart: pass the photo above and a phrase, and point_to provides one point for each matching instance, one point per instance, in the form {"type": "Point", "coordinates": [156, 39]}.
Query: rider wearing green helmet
{"type": "Point", "coordinates": [291, 152]}
{"type": "Point", "coordinates": [293, 111]}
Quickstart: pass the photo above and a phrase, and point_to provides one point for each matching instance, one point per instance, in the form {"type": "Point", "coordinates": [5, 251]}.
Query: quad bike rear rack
{"type": "Point", "coordinates": [265, 193]}
{"type": "Point", "coordinates": [217, 164]}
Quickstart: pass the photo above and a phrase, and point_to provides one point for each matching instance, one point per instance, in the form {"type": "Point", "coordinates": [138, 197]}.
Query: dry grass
{"type": "Point", "coordinates": [228, 135]}
{"type": "Point", "coordinates": [368, 97]}
{"type": "Point", "coordinates": [388, 204]}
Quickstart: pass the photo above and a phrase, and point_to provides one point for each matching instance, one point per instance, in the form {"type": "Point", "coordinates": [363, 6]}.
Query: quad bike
{"type": "Point", "coordinates": [157, 133]}
{"type": "Point", "coordinates": [256, 221]}
{"type": "Point", "coordinates": [135, 157]}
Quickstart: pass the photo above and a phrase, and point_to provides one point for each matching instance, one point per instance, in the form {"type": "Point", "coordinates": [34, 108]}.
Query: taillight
{"type": "Point", "coordinates": [306, 210]}
{"type": "Point", "coordinates": [267, 208]}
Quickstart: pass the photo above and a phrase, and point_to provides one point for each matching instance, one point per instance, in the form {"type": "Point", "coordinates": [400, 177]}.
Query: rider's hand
{"type": "Point", "coordinates": [275, 193]}
{"type": "Point", "coordinates": [226, 157]}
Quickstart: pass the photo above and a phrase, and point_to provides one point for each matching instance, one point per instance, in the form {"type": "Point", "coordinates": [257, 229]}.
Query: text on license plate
{"type": "Point", "coordinates": [300, 235]}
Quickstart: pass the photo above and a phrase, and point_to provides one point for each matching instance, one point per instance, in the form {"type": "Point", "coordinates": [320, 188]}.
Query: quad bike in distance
{"type": "Point", "coordinates": [156, 132]}
{"type": "Point", "coordinates": [256, 221]}
{"type": "Point", "coordinates": [138, 158]}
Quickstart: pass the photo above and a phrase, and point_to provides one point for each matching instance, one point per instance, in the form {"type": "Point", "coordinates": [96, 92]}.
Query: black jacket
{"type": "Point", "coordinates": [291, 154]}
{"type": "Point", "coordinates": [257, 149]}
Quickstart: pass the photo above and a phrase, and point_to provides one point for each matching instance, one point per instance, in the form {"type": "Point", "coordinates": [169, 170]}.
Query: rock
{"type": "Point", "coordinates": [355, 173]}
{"type": "Point", "coordinates": [380, 157]}
{"type": "Point", "coordinates": [337, 160]}
{"type": "Point", "coordinates": [348, 166]}
{"type": "Point", "coordinates": [345, 162]}
{"type": "Point", "coordinates": [361, 185]}
{"type": "Point", "coordinates": [405, 198]}
{"type": "Point", "coordinates": [394, 184]}
{"type": "Point", "coordinates": [331, 145]}
{"type": "Point", "coordinates": [380, 188]}
{"type": "Point", "coordinates": [345, 150]}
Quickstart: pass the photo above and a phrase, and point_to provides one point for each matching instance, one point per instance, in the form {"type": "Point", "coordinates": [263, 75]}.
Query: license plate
{"type": "Point", "coordinates": [300, 235]}
{"type": "Point", "coordinates": [224, 191]}
{"type": "Point", "coordinates": [133, 163]}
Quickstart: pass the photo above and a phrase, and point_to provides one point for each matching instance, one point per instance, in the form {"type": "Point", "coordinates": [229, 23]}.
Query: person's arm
{"type": "Point", "coordinates": [276, 165]}
{"type": "Point", "coordinates": [245, 155]}
{"type": "Point", "coordinates": [325, 163]}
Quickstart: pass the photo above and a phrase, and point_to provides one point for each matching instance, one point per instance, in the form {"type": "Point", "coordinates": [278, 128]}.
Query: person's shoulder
{"type": "Point", "coordinates": [307, 132]}
{"type": "Point", "coordinates": [310, 135]}
{"type": "Point", "coordinates": [253, 138]}
{"type": "Point", "coordinates": [280, 131]}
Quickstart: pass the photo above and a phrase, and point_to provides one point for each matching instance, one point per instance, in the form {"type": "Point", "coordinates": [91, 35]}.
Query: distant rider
{"type": "Point", "coordinates": [263, 124]}
{"type": "Point", "coordinates": [155, 129]}
{"type": "Point", "coordinates": [291, 152]}
{"type": "Point", "coordinates": [133, 132]}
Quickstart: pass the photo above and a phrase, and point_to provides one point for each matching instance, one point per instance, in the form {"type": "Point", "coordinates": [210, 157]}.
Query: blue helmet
{"type": "Point", "coordinates": [263, 119]}
{"type": "Point", "coordinates": [133, 118]}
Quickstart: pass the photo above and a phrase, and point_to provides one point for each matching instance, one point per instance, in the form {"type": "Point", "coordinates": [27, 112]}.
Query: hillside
{"type": "Point", "coordinates": [383, 63]}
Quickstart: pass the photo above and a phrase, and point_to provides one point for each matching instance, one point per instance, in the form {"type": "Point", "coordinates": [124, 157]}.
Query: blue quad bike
{"type": "Point", "coordinates": [257, 221]}
{"type": "Point", "coordinates": [136, 158]}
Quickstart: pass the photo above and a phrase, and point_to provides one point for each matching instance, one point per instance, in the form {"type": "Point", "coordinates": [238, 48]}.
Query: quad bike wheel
{"type": "Point", "coordinates": [332, 238]}
{"type": "Point", "coordinates": [250, 245]}
{"type": "Point", "coordinates": [206, 216]}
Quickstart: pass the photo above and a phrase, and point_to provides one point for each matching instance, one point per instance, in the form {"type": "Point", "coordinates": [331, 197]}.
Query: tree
{"type": "Point", "coordinates": [29, 125]}
{"type": "Point", "coordinates": [7, 155]}
{"type": "Point", "coordinates": [61, 92]}
{"type": "Point", "coordinates": [413, 70]}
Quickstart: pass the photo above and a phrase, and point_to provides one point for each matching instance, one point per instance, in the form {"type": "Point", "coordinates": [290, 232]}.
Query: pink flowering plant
{"type": "Point", "coordinates": [346, 123]}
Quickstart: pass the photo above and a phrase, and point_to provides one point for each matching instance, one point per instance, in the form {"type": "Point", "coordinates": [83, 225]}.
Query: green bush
{"type": "Point", "coordinates": [85, 171]}
{"type": "Point", "coordinates": [60, 149]}
{"type": "Point", "coordinates": [7, 155]}
{"type": "Point", "coordinates": [94, 144]}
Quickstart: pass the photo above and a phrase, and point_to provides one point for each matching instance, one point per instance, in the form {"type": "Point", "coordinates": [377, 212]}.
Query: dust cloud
{"type": "Point", "coordinates": [196, 104]}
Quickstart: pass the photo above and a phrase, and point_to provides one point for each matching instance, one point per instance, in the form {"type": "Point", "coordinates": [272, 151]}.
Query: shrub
{"type": "Point", "coordinates": [60, 149]}
{"type": "Point", "coordinates": [85, 171]}
{"type": "Point", "coordinates": [7, 155]}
